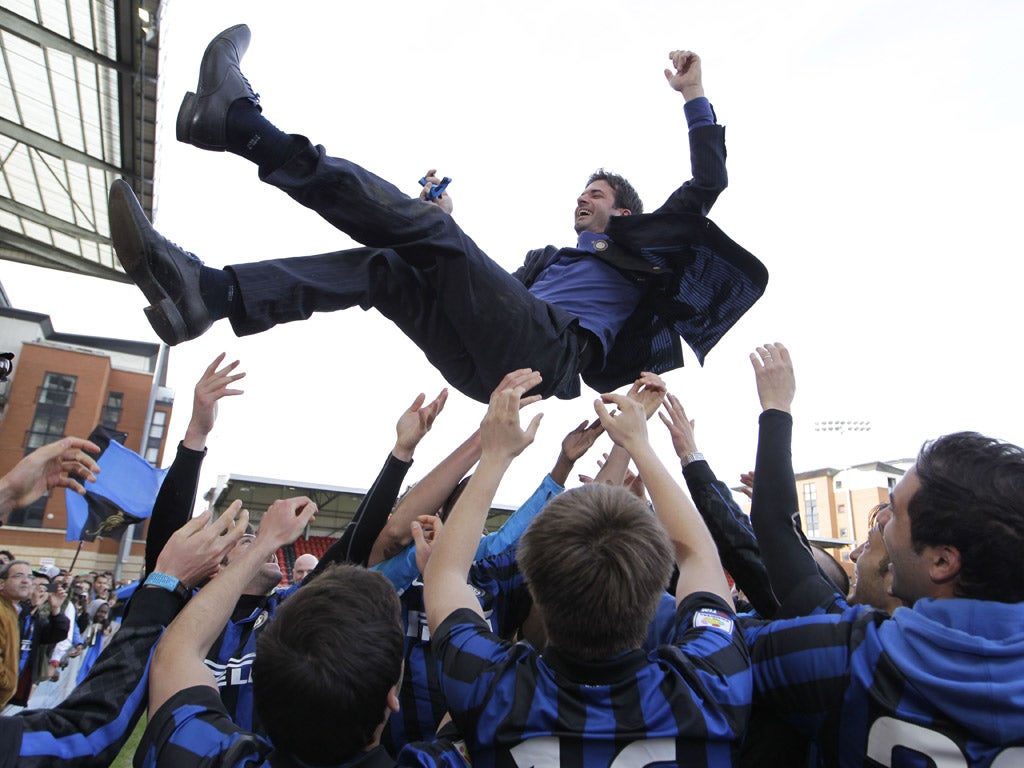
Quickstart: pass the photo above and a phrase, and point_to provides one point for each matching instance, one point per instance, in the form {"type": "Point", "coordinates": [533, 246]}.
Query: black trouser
{"type": "Point", "coordinates": [471, 318]}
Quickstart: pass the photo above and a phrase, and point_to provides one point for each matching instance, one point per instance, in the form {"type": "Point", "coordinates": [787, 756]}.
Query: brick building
{"type": "Point", "coordinates": [67, 384]}
{"type": "Point", "coordinates": [835, 504]}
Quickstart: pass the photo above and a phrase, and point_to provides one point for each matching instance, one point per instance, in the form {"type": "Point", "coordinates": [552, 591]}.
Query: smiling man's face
{"type": "Point", "coordinates": [595, 206]}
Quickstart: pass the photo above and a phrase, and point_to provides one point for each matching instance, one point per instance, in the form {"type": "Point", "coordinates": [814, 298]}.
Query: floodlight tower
{"type": "Point", "coordinates": [842, 427]}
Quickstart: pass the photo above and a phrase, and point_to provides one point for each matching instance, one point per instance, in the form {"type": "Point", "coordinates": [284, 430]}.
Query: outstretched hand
{"type": "Point", "coordinates": [284, 521]}
{"type": "Point", "coordinates": [57, 599]}
{"type": "Point", "coordinates": [581, 439]}
{"type": "Point", "coordinates": [633, 483]}
{"type": "Point", "coordinates": [46, 468]}
{"type": "Point", "coordinates": [628, 427]}
{"type": "Point", "coordinates": [425, 530]}
{"type": "Point", "coordinates": [686, 77]}
{"type": "Point", "coordinates": [501, 435]}
{"type": "Point", "coordinates": [196, 550]}
{"type": "Point", "coordinates": [773, 370]}
{"type": "Point", "coordinates": [526, 378]}
{"type": "Point", "coordinates": [212, 386]}
{"type": "Point", "coordinates": [649, 390]}
{"type": "Point", "coordinates": [679, 427]}
{"type": "Point", "coordinates": [415, 422]}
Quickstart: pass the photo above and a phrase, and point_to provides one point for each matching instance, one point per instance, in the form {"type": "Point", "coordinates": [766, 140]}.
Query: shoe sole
{"type": "Point", "coordinates": [127, 221]}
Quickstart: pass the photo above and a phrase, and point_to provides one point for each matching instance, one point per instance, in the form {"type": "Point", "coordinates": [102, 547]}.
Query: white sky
{"type": "Point", "coordinates": [875, 167]}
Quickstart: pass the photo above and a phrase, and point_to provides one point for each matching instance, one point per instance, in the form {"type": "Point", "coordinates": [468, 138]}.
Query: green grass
{"type": "Point", "coordinates": [124, 758]}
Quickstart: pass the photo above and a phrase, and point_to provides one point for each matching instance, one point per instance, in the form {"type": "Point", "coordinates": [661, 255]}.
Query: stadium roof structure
{"type": "Point", "coordinates": [78, 84]}
{"type": "Point", "coordinates": [335, 504]}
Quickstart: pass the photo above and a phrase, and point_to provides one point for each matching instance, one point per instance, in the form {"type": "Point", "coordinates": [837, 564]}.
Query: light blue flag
{"type": "Point", "coordinates": [126, 480]}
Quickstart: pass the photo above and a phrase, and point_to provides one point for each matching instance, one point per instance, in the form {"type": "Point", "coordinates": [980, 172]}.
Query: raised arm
{"type": "Point", "coordinates": [369, 527]}
{"type": "Point", "coordinates": [427, 496]}
{"type": "Point", "coordinates": [177, 496]}
{"type": "Point", "coordinates": [574, 446]}
{"type": "Point", "coordinates": [774, 511]}
{"type": "Point", "coordinates": [699, 567]}
{"type": "Point", "coordinates": [685, 74]}
{"type": "Point", "coordinates": [707, 139]}
{"type": "Point", "coordinates": [649, 390]}
{"type": "Point", "coordinates": [407, 565]}
{"type": "Point", "coordinates": [46, 468]}
{"type": "Point", "coordinates": [89, 728]}
{"type": "Point", "coordinates": [729, 527]}
{"type": "Point", "coordinates": [502, 439]}
{"type": "Point", "coordinates": [179, 661]}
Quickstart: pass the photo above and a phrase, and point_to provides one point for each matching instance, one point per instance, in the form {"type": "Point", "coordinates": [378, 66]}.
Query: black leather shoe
{"type": "Point", "coordinates": [168, 275]}
{"type": "Point", "coordinates": [202, 117]}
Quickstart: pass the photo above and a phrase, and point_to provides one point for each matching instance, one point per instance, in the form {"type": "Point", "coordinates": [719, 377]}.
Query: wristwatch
{"type": "Point", "coordinates": [691, 457]}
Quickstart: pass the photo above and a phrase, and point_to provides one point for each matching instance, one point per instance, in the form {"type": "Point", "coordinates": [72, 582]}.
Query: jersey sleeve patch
{"type": "Point", "coordinates": [708, 617]}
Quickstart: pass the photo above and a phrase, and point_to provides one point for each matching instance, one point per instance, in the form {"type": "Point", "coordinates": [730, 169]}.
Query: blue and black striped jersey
{"type": "Point", "coordinates": [941, 684]}
{"type": "Point", "coordinates": [682, 704]}
{"type": "Point", "coordinates": [89, 728]}
{"type": "Point", "coordinates": [193, 730]}
{"type": "Point", "coordinates": [505, 601]}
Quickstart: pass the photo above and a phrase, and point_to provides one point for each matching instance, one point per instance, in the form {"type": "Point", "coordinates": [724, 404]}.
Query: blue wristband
{"type": "Point", "coordinates": [171, 584]}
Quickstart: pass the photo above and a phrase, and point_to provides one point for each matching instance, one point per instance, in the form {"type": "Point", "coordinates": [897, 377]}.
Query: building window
{"type": "Point", "coordinates": [811, 508]}
{"type": "Point", "coordinates": [839, 485]}
{"type": "Point", "coordinates": [32, 515]}
{"type": "Point", "coordinates": [53, 402]}
{"type": "Point", "coordinates": [156, 436]}
{"type": "Point", "coordinates": [112, 410]}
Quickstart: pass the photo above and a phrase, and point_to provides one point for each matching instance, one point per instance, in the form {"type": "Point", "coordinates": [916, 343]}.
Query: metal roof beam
{"type": "Point", "coordinates": [44, 38]}
{"type": "Point", "coordinates": [15, 246]}
{"type": "Point", "coordinates": [50, 221]}
{"type": "Point", "coordinates": [52, 147]}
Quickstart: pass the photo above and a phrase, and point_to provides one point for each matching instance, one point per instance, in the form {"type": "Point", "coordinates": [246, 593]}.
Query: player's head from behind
{"type": "Point", "coordinates": [596, 561]}
{"type": "Point", "coordinates": [829, 566]}
{"type": "Point", "coordinates": [606, 194]}
{"type": "Point", "coordinates": [328, 666]}
{"type": "Point", "coordinates": [957, 527]}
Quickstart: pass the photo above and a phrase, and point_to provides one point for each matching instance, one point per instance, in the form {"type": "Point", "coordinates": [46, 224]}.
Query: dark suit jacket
{"type": "Point", "coordinates": [698, 281]}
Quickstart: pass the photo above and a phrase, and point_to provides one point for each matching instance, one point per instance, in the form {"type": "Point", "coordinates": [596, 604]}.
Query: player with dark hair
{"type": "Point", "coordinates": [348, 618]}
{"type": "Point", "coordinates": [939, 682]}
{"type": "Point", "coordinates": [596, 562]}
{"type": "Point", "coordinates": [872, 579]}
{"type": "Point", "coordinates": [327, 668]}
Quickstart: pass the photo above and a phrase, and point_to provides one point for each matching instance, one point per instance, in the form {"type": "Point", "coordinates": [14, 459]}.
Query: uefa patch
{"type": "Point", "coordinates": [707, 617]}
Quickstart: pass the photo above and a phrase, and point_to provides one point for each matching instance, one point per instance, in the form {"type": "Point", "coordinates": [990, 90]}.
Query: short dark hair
{"type": "Point", "coordinates": [596, 562]}
{"type": "Point", "coordinates": [6, 567]}
{"type": "Point", "coordinates": [972, 498]}
{"type": "Point", "coordinates": [625, 195]}
{"type": "Point", "coordinates": [831, 568]}
{"type": "Point", "coordinates": [325, 664]}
